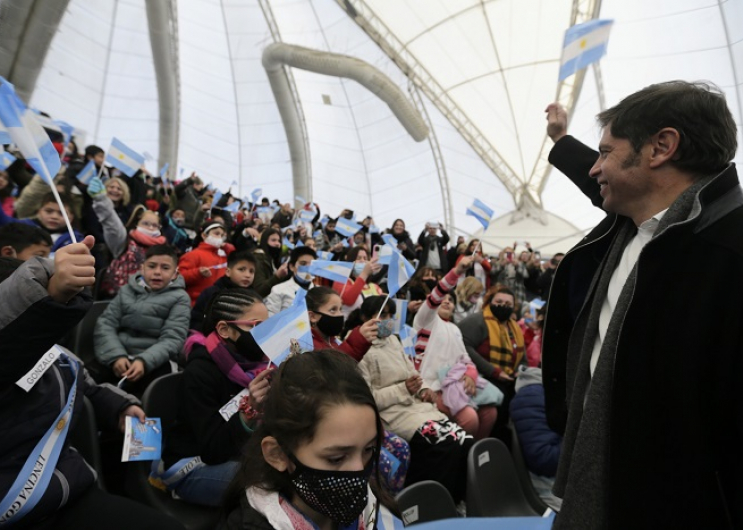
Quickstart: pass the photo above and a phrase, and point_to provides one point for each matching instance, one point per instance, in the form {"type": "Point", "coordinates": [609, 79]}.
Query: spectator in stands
{"type": "Point", "coordinates": [404, 243]}
{"type": "Point", "coordinates": [22, 241]}
{"type": "Point", "coordinates": [468, 296]}
{"type": "Point", "coordinates": [145, 325]}
{"type": "Point", "coordinates": [332, 240]}
{"type": "Point", "coordinates": [495, 343]}
{"type": "Point", "coordinates": [531, 326]}
{"type": "Point", "coordinates": [282, 295]}
{"type": "Point", "coordinates": [284, 216]}
{"type": "Point", "coordinates": [173, 223]}
{"type": "Point", "coordinates": [359, 285]}
{"type": "Point", "coordinates": [92, 152]}
{"type": "Point", "coordinates": [452, 255]}
{"type": "Point", "coordinates": [439, 350]}
{"type": "Point", "coordinates": [248, 234]}
{"type": "Point", "coordinates": [433, 253]}
{"type": "Point", "coordinates": [239, 275]}
{"type": "Point", "coordinates": [118, 191]}
{"type": "Point", "coordinates": [540, 445]}
{"type": "Point", "coordinates": [438, 446]}
{"type": "Point", "coordinates": [512, 273]}
{"type": "Point", "coordinates": [35, 193]}
{"type": "Point", "coordinates": [221, 364]}
{"type": "Point", "coordinates": [207, 263]}
{"type": "Point", "coordinates": [49, 218]}
{"type": "Point", "coordinates": [41, 303]}
{"type": "Point", "coordinates": [7, 201]}
{"type": "Point", "coordinates": [189, 194]}
{"type": "Point", "coordinates": [309, 463]}
{"type": "Point", "coordinates": [309, 241]}
{"type": "Point", "coordinates": [481, 268]}
{"type": "Point", "coordinates": [545, 279]}
{"type": "Point", "coordinates": [110, 229]}
{"type": "Point", "coordinates": [144, 232]}
{"type": "Point", "coordinates": [532, 261]}
{"type": "Point", "coordinates": [418, 288]}
{"type": "Point", "coordinates": [269, 270]}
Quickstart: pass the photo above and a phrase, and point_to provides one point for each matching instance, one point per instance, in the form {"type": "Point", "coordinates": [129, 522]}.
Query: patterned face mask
{"type": "Point", "coordinates": [338, 495]}
{"type": "Point", "coordinates": [385, 328]}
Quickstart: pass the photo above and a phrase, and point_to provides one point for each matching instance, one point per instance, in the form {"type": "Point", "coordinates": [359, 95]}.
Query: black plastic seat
{"type": "Point", "coordinates": [80, 339]}
{"type": "Point", "coordinates": [523, 473]}
{"type": "Point", "coordinates": [160, 400]}
{"type": "Point", "coordinates": [425, 501]}
{"type": "Point", "coordinates": [493, 486]}
{"type": "Point", "coordinates": [84, 437]}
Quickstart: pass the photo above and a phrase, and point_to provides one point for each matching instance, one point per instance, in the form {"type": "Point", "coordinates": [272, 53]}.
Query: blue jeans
{"type": "Point", "coordinates": [206, 485]}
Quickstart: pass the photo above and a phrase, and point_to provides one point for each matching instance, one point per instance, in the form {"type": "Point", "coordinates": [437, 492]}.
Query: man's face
{"type": "Point", "coordinates": [50, 216]}
{"type": "Point", "coordinates": [159, 271]}
{"type": "Point", "coordinates": [98, 159]}
{"type": "Point", "coordinates": [242, 273]}
{"type": "Point", "coordinates": [432, 230]}
{"type": "Point", "coordinates": [625, 186]}
{"type": "Point", "coordinates": [37, 249]}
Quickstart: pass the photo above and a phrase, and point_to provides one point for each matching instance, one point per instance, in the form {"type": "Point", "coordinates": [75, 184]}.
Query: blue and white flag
{"type": "Point", "coordinates": [338, 271]}
{"type": "Point", "coordinates": [66, 129]}
{"type": "Point", "coordinates": [256, 194]}
{"type": "Point", "coordinates": [87, 173]}
{"type": "Point", "coordinates": [164, 170]}
{"type": "Point", "coordinates": [288, 244]}
{"type": "Point", "coordinates": [346, 227]}
{"type": "Point", "coordinates": [215, 199]}
{"type": "Point", "coordinates": [407, 337]}
{"type": "Point", "coordinates": [306, 215]}
{"type": "Point", "coordinates": [325, 256]}
{"type": "Point", "coordinates": [399, 273]}
{"type": "Point", "coordinates": [4, 136]}
{"type": "Point", "coordinates": [300, 199]}
{"type": "Point", "coordinates": [480, 211]}
{"type": "Point", "coordinates": [584, 44]}
{"type": "Point", "coordinates": [389, 239]}
{"type": "Point", "coordinates": [275, 335]}
{"type": "Point", "coordinates": [123, 158]}
{"type": "Point", "coordinates": [233, 207]}
{"type": "Point", "coordinates": [27, 134]}
{"type": "Point", "coordinates": [401, 314]}
{"type": "Point", "coordinates": [374, 229]}
{"type": "Point", "coordinates": [5, 160]}
{"type": "Point", "coordinates": [324, 220]}
{"type": "Point", "coordinates": [344, 243]}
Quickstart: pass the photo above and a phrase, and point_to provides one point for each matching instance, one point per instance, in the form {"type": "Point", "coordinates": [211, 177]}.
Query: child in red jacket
{"type": "Point", "coordinates": [205, 264]}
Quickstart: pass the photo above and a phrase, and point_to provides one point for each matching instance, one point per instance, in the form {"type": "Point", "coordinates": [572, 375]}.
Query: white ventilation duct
{"type": "Point", "coordinates": [276, 55]}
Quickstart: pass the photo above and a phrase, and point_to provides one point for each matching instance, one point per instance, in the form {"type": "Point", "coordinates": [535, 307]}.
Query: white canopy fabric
{"type": "Point", "coordinates": [496, 61]}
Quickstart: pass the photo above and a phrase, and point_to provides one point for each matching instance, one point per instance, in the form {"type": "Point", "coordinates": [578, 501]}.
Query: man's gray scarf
{"type": "Point", "coordinates": [583, 472]}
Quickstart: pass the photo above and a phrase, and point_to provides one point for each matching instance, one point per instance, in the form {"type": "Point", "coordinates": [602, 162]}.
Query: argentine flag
{"type": "Point", "coordinates": [5, 160]}
{"type": "Point", "coordinates": [87, 173]}
{"type": "Point", "coordinates": [584, 44]}
{"type": "Point", "coordinates": [256, 194]}
{"type": "Point", "coordinates": [307, 215]}
{"type": "Point", "coordinates": [407, 337]}
{"type": "Point", "coordinates": [401, 314]}
{"type": "Point", "coordinates": [123, 158]}
{"type": "Point", "coordinates": [164, 170]}
{"type": "Point", "coordinates": [399, 273]}
{"type": "Point", "coordinates": [346, 228]}
{"type": "Point", "coordinates": [325, 256]}
{"type": "Point", "coordinates": [27, 134]}
{"type": "Point", "coordinates": [275, 335]}
{"type": "Point", "coordinates": [234, 207]}
{"type": "Point", "coordinates": [4, 136]}
{"type": "Point", "coordinates": [288, 244]}
{"type": "Point", "coordinates": [480, 211]}
{"type": "Point", "coordinates": [338, 271]}
{"type": "Point", "coordinates": [66, 129]}
{"type": "Point", "coordinates": [389, 248]}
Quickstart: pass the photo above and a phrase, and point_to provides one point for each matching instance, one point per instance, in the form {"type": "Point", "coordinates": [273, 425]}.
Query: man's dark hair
{"type": "Point", "coordinates": [8, 266]}
{"type": "Point", "coordinates": [93, 150]}
{"type": "Point", "coordinates": [298, 252]}
{"type": "Point", "coordinates": [21, 236]}
{"type": "Point", "coordinates": [698, 111]}
{"type": "Point", "coordinates": [162, 250]}
{"type": "Point", "coordinates": [243, 255]}
{"type": "Point", "coordinates": [553, 259]}
{"type": "Point", "coordinates": [49, 197]}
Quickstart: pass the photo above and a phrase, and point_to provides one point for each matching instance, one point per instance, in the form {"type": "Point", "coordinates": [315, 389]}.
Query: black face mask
{"type": "Point", "coordinates": [274, 252]}
{"type": "Point", "coordinates": [501, 312]}
{"type": "Point", "coordinates": [339, 495]}
{"type": "Point", "coordinates": [246, 345]}
{"type": "Point", "coordinates": [430, 283]}
{"type": "Point", "coordinates": [329, 325]}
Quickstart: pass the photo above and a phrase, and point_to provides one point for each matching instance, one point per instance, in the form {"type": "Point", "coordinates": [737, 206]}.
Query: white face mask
{"type": "Point", "coordinates": [214, 241]}
{"type": "Point", "coordinates": [151, 233]}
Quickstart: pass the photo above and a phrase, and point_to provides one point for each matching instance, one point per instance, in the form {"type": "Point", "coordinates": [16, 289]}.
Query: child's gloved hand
{"type": "Point", "coordinates": [96, 187]}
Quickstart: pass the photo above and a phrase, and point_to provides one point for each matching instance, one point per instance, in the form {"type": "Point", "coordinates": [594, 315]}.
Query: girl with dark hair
{"type": "Point", "coordinates": [438, 446]}
{"type": "Point", "coordinates": [311, 462]}
{"type": "Point", "coordinates": [206, 263]}
{"type": "Point", "coordinates": [201, 453]}
{"type": "Point", "coordinates": [359, 285]}
{"type": "Point", "coordinates": [269, 270]}
{"type": "Point", "coordinates": [404, 243]}
{"type": "Point", "coordinates": [143, 232]}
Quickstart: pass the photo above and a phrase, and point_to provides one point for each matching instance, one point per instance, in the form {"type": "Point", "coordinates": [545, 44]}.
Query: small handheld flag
{"type": "Point", "coordinates": [123, 158]}
{"type": "Point", "coordinates": [346, 228]}
{"type": "Point", "coordinates": [288, 244]}
{"type": "Point", "coordinates": [480, 211]}
{"type": "Point", "coordinates": [400, 272]}
{"type": "Point", "coordinates": [407, 337]}
{"type": "Point", "coordinates": [338, 271]}
{"type": "Point", "coordinates": [584, 44]}
{"type": "Point", "coordinates": [256, 194]}
{"type": "Point", "coordinates": [164, 170]}
{"type": "Point", "coordinates": [274, 336]}
{"type": "Point", "coordinates": [5, 160]}
{"type": "Point", "coordinates": [87, 173]}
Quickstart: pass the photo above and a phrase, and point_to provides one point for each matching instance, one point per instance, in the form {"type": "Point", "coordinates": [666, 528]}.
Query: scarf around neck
{"type": "Point", "coordinates": [237, 369]}
{"type": "Point", "coordinates": [145, 240]}
{"type": "Point", "coordinates": [502, 353]}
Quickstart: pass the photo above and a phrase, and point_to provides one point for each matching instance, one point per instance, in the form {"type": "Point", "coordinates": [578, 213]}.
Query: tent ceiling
{"type": "Point", "coordinates": [497, 61]}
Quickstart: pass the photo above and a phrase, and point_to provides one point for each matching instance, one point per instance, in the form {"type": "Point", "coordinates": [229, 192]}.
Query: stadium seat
{"type": "Point", "coordinates": [80, 339]}
{"type": "Point", "coordinates": [493, 487]}
{"type": "Point", "coordinates": [84, 437]}
{"type": "Point", "coordinates": [522, 471]}
{"type": "Point", "coordinates": [160, 401]}
{"type": "Point", "coordinates": [425, 501]}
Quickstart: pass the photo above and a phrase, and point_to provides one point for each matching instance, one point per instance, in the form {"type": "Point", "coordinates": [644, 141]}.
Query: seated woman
{"type": "Point", "coordinates": [439, 347]}
{"type": "Point", "coordinates": [310, 463]}
{"type": "Point", "coordinates": [438, 446]}
{"type": "Point", "coordinates": [220, 365]}
{"type": "Point", "coordinates": [359, 285]}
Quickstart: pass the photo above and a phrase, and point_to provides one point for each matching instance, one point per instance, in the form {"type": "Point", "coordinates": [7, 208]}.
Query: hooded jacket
{"type": "Point", "coordinates": [205, 255]}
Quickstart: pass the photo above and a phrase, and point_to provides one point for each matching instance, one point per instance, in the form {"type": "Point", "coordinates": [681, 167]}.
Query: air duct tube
{"type": "Point", "coordinates": [276, 55]}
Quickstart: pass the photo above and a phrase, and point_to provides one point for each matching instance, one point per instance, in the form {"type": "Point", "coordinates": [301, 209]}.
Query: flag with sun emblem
{"type": "Point", "coordinates": [275, 335]}
{"type": "Point", "coordinates": [584, 44]}
{"type": "Point", "coordinates": [399, 273]}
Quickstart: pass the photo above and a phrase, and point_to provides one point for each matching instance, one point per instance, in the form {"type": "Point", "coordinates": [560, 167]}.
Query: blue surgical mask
{"type": "Point", "coordinates": [358, 267]}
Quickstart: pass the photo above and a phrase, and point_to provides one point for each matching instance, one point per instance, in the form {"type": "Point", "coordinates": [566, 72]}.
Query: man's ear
{"type": "Point", "coordinates": [274, 454]}
{"type": "Point", "coordinates": [664, 146]}
{"type": "Point", "coordinates": [8, 252]}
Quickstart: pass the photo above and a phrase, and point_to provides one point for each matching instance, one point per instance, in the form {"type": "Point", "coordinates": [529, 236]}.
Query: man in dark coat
{"type": "Point", "coordinates": [642, 347]}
